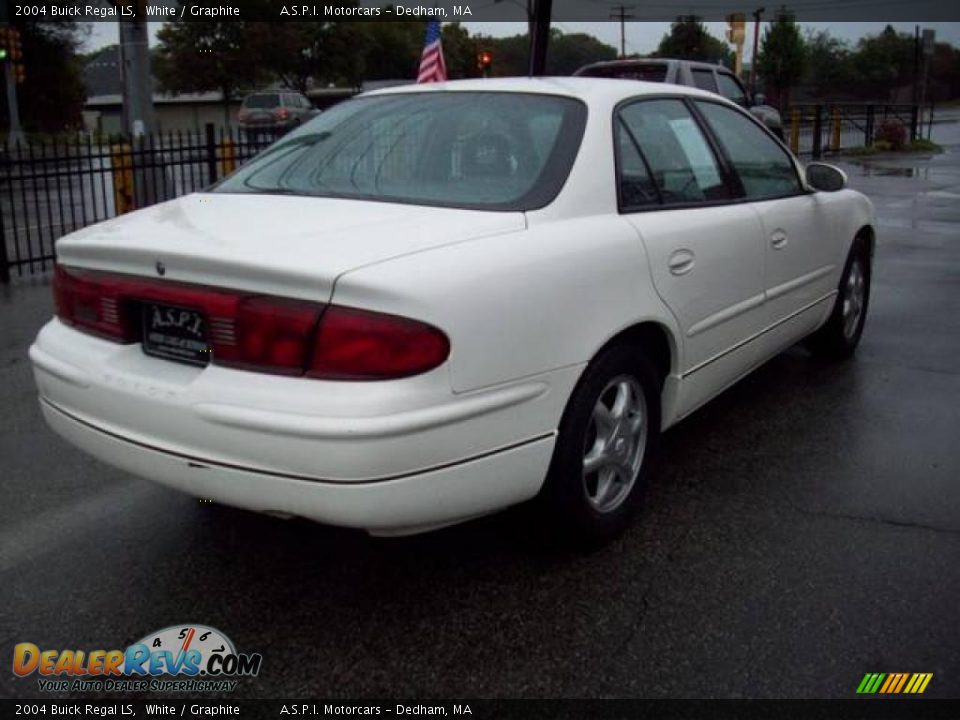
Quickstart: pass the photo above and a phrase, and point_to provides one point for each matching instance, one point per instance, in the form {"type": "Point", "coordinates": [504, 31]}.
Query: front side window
{"type": "Point", "coordinates": [731, 89]}
{"type": "Point", "coordinates": [765, 169]}
{"type": "Point", "coordinates": [486, 150]}
{"type": "Point", "coordinates": [681, 162]}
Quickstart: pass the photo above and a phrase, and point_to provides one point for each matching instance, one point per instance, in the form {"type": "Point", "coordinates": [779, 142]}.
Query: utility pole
{"type": "Point", "coordinates": [138, 116]}
{"type": "Point", "coordinates": [137, 83]}
{"type": "Point", "coordinates": [620, 13]}
{"type": "Point", "coordinates": [756, 46]}
{"type": "Point", "coordinates": [539, 35]}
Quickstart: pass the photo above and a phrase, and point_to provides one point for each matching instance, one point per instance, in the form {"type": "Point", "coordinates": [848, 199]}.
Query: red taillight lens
{"type": "Point", "coordinates": [242, 115]}
{"type": "Point", "coordinates": [258, 332]}
{"type": "Point", "coordinates": [90, 302]}
{"type": "Point", "coordinates": [272, 334]}
{"type": "Point", "coordinates": [281, 113]}
{"type": "Point", "coordinates": [356, 344]}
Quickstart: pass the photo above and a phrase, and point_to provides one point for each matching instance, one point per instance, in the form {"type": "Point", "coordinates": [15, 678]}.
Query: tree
{"type": "Point", "coordinates": [883, 63]}
{"type": "Point", "coordinates": [52, 96]}
{"type": "Point", "coordinates": [828, 70]}
{"type": "Point", "coordinates": [689, 39]}
{"type": "Point", "coordinates": [567, 52]}
{"type": "Point", "coordinates": [782, 56]}
{"type": "Point", "coordinates": [210, 55]}
{"type": "Point", "coordinates": [459, 52]}
{"type": "Point", "coordinates": [393, 49]}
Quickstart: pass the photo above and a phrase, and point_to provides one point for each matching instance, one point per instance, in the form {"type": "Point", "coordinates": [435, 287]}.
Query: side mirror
{"type": "Point", "coordinates": [759, 99]}
{"type": "Point", "coordinates": [821, 176]}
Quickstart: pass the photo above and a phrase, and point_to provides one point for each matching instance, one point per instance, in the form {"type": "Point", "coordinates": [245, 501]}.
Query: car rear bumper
{"type": "Point", "coordinates": [341, 453]}
{"type": "Point", "coordinates": [414, 503]}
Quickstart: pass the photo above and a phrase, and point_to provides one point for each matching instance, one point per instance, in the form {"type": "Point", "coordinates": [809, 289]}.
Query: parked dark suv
{"type": "Point", "coordinates": [274, 112]}
{"type": "Point", "coordinates": [705, 76]}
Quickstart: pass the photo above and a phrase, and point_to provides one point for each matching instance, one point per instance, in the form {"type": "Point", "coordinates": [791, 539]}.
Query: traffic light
{"type": "Point", "coordinates": [4, 50]}
{"type": "Point", "coordinates": [484, 62]}
{"type": "Point", "coordinates": [20, 73]}
{"type": "Point", "coordinates": [13, 43]}
{"type": "Point", "coordinates": [736, 29]}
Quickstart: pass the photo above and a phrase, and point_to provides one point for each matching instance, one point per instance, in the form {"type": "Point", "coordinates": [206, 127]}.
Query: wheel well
{"type": "Point", "coordinates": [869, 234]}
{"type": "Point", "coordinates": [653, 339]}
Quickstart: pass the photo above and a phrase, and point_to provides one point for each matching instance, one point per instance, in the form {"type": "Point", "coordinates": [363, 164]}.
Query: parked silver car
{"type": "Point", "coordinates": [705, 76]}
{"type": "Point", "coordinates": [274, 112]}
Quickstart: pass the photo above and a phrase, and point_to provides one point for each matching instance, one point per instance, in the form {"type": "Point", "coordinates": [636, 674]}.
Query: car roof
{"type": "Point", "coordinates": [632, 62]}
{"type": "Point", "coordinates": [590, 90]}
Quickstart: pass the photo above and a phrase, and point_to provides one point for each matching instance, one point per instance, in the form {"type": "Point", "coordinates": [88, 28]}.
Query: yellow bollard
{"type": "Point", "coordinates": [121, 160]}
{"type": "Point", "coordinates": [795, 130]}
{"type": "Point", "coordinates": [835, 130]}
{"type": "Point", "coordinates": [228, 157]}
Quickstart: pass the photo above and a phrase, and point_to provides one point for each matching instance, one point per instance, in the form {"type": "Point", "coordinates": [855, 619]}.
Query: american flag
{"type": "Point", "coordinates": [432, 66]}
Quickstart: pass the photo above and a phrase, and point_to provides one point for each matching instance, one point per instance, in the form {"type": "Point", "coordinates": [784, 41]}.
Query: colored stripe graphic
{"type": "Point", "coordinates": [894, 683]}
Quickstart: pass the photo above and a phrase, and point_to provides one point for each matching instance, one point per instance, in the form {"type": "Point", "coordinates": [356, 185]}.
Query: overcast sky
{"type": "Point", "coordinates": [641, 37]}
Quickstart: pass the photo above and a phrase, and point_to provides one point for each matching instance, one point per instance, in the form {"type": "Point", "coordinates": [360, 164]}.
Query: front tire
{"type": "Point", "coordinates": [605, 442]}
{"type": "Point", "coordinates": [839, 337]}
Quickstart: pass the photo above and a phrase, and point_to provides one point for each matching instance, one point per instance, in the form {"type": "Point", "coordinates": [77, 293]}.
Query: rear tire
{"type": "Point", "coordinates": [839, 336]}
{"type": "Point", "coordinates": [607, 437]}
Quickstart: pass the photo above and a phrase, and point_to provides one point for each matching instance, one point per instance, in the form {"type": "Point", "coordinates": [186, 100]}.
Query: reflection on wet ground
{"type": "Point", "coordinates": [933, 203]}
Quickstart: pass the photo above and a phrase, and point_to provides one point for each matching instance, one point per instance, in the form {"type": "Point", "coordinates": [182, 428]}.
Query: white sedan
{"type": "Point", "coordinates": [434, 302]}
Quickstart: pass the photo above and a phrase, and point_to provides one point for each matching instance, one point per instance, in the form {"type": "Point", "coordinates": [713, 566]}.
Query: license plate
{"type": "Point", "coordinates": [175, 333]}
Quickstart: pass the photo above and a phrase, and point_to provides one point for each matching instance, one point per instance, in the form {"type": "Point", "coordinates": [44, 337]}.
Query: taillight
{"type": "Point", "coordinates": [242, 115]}
{"type": "Point", "coordinates": [90, 302]}
{"type": "Point", "coordinates": [281, 113]}
{"type": "Point", "coordinates": [258, 332]}
{"type": "Point", "coordinates": [356, 344]}
{"type": "Point", "coordinates": [267, 334]}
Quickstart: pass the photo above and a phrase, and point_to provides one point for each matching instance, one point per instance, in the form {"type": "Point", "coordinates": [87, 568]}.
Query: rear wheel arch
{"type": "Point", "coordinates": [652, 339]}
{"type": "Point", "coordinates": [868, 235]}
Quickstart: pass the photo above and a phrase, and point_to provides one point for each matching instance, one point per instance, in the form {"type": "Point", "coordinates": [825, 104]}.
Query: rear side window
{"type": "Point", "coordinates": [635, 186]}
{"type": "Point", "coordinates": [731, 89]}
{"type": "Point", "coordinates": [704, 80]}
{"type": "Point", "coordinates": [680, 160]}
{"type": "Point", "coordinates": [262, 101]}
{"type": "Point", "coordinates": [764, 167]}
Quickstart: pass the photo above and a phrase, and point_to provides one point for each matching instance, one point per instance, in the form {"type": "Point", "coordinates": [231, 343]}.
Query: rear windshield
{"type": "Point", "coordinates": [486, 150]}
{"type": "Point", "coordinates": [650, 72]}
{"type": "Point", "coordinates": [262, 101]}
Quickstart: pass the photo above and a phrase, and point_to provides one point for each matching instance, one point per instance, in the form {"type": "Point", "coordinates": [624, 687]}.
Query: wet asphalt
{"type": "Point", "coordinates": [801, 530]}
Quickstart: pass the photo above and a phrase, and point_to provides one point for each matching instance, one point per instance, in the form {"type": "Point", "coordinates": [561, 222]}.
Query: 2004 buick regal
{"type": "Point", "coordinates": [430, 303]}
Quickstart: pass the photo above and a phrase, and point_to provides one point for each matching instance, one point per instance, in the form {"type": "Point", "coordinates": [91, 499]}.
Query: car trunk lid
{"type": "Point", "coordinates": [290, 246]}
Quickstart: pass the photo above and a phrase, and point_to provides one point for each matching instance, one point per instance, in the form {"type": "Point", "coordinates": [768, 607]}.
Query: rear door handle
{"type": "Point", "coordinates": [778, 240]}
{"type": "Point", "coordinates": [681, 262]}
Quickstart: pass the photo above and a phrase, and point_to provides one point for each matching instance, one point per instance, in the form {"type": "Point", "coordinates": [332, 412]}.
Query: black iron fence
{"type": "Point", "coordinates": [50, 188]}
{"type": "Point", "coordinates": [816, 129]}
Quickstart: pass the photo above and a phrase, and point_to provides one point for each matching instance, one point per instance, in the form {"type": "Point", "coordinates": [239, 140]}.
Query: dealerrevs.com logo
{"type": "Point", "coordinates": [204, 656]}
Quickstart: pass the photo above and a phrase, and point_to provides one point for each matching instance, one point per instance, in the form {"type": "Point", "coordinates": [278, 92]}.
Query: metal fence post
{"type": "Point", "coordinates": [795, 130]}
{"type": "Point", "coordinates": [817, 132]}
{"type": "Point", "coordinates": [868, 128]}
{"type": "Point", "coordinates": [211, 154]}
{"type": "Point", "coordinates": [4, 260]}
{"type": "Point", "coordinates": [835, 129]}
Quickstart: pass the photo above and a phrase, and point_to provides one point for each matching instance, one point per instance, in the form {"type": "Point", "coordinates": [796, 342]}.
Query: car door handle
{"type": "Point", "coordinates": [680, 262]}
{"type": "Point", "coordinates": [778, 240]}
